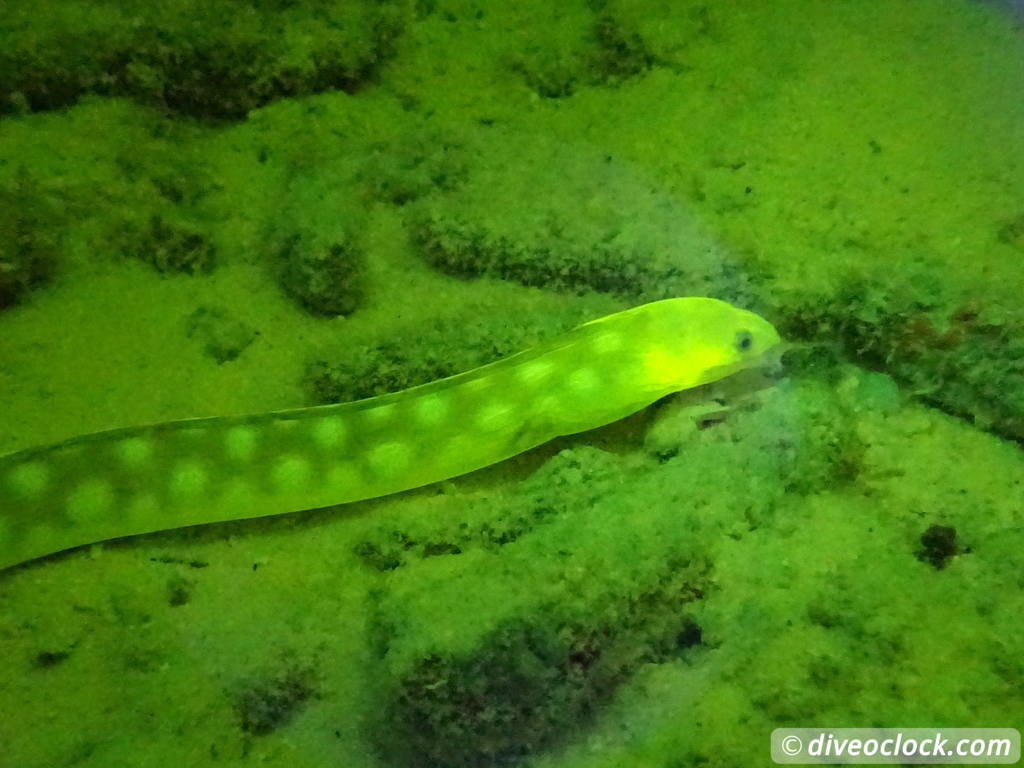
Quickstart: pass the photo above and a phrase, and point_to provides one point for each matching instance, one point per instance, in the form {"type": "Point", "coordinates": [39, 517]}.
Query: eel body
{"type": "Point", "coordinates": [141, 479]}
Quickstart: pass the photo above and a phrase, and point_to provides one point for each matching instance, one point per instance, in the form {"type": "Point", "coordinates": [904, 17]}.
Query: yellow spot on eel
{"type": "Point", "coordinates": [141, 479]}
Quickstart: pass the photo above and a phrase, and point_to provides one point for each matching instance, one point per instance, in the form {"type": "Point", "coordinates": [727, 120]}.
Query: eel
{"type": "Point", "coordinates": [135, 480]}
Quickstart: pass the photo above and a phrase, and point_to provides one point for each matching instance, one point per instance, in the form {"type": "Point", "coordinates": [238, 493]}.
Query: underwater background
{"type": "Point", "coordinates": [225, 207]}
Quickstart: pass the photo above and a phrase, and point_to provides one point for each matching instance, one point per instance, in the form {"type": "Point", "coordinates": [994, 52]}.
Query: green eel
{"type": "Point", "coordinates": [136, 480]}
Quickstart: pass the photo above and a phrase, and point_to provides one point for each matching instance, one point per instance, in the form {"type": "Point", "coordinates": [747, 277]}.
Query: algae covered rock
{"type": "Point", "coordinates": [223, 337]}
{"type": "Point", "coordinates": [315, 243]}
{"type": "Point", "coordinates": [239, 57]}
{"type": "Point", "coordinates": [543, 213]}
{"type": "Point", "coordinates": [323, 278]}
{"type": "Point", "coordinates": [174, 246]}
{"type": "Point", "coordinates": [28, 240]}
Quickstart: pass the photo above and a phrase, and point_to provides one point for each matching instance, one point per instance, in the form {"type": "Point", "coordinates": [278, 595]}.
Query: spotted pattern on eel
{"type": "Point", "coordinates": [136, 480]}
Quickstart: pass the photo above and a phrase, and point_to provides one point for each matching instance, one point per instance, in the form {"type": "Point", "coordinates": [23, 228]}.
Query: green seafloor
{"type": "Point", "coordinates": [226, 207]}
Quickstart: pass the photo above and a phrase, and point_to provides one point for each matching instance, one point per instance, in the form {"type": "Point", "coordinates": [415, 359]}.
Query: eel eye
{"type": "Point", "coordinates": [744, 340]}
